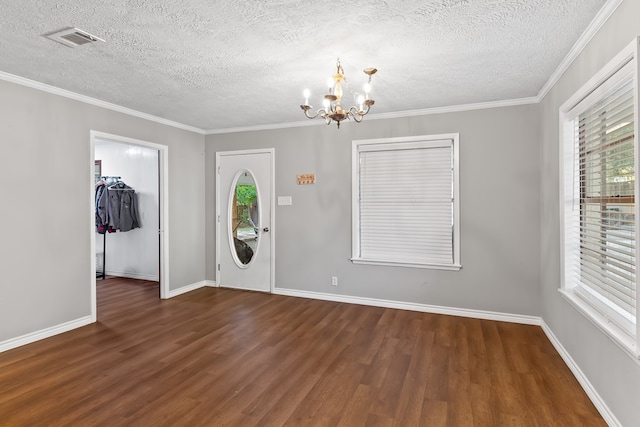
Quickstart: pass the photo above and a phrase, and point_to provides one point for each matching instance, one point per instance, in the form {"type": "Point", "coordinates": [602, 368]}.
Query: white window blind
{"type": "Point", "coordinates": [406, 203]}
{"type": "Point", "coordinates": [599, 212]}
{"type": "Point", "coordinates": [604, 137]}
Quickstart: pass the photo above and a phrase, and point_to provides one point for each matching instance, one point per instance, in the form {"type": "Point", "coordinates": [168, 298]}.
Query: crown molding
{"type": "Point", "coordinates": [390, 115]}
{"type": "Point", "coordinates": [596, 24]}
{"type": "Point", "coordinates": [93, 101]}
{"type": "Point", "coordinates": [270, 126]}
{"type": "Point", "coordinates": [455, 108]}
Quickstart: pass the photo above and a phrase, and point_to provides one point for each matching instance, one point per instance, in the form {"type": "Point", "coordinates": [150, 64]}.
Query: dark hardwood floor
{"type": "Point", "coordinates": [217, 357]}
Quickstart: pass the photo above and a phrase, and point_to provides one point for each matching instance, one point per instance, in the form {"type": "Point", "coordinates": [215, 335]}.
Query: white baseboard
{"type": "Point", "coordinates": [425, 308]}
{"type": "Point", "coordinates": [211, 283]}
{"type": "Point", "coordinates": [140, 276]}
{"type": "Point", "coordinates": [187, 288]}
{"type": "Point", "coordinates": [599, 403]}
{"type": "Point", "coordinates": [44, 333]}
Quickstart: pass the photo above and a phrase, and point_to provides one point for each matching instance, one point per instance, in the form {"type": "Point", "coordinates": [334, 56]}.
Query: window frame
{"type": "Point", "coordinates": [621, 68]}
{"type": "Point", "coordinates": [422, 141]}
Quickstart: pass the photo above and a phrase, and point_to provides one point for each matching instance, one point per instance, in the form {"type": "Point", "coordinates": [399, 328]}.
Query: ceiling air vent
{"type": "Point", "coordinates": [72, 37]}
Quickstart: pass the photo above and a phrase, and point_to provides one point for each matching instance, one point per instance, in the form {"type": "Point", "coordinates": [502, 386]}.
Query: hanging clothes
{"type": "Point", "coordinates": [122, 207]}
{"type": "Point", "coordinates": [102, 208]}
{"type": "Point", "coordinates": [116, 206]}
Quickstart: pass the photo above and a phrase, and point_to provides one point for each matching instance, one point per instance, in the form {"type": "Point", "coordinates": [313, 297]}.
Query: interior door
{"type": "Point", "coordinates": [244, 209]}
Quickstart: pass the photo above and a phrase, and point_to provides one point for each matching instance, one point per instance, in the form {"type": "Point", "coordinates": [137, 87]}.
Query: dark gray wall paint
{"type": "Point", "coordinates": [614, 374]}
{"type": "Point", "coordinates": [499, 188]}
{"type": "Point", "coordinates": [45, 259]}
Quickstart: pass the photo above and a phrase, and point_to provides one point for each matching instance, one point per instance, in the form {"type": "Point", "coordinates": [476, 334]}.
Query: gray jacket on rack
{"type": "Point", "coordinates": [123, 213]}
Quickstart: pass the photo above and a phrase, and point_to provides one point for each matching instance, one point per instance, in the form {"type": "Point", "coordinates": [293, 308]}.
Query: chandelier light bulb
{"type": "Point", "coordinates": [306, 93]}
{"type": "Point", "coordinates": [338, 91]}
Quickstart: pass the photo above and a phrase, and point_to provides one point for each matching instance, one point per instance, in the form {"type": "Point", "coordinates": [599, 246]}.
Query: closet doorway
{"type": "Point", "coordinates": [141, 252]}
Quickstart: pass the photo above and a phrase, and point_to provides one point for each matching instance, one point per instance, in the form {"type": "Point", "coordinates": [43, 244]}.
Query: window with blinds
{"type": "Point", "coordinates": [599, 192]}
{"type": "Point", "coordinates": [405, 202]}
{"type": "Point", "coordinates": [605, 145]}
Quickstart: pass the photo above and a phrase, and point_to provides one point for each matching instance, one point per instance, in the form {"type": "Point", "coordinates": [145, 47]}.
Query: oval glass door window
{"type": "Point", "coordinates": [245, 216]}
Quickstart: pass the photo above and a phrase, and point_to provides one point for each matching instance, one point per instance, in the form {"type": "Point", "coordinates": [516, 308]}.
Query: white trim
{"type": "Point", "coordinates": [93, 299]}
{"type": "Point", "coordinates": [363, 145]}
{"type": "Point", "coordinates": [603, 15]}
{"type": "Point", "coordinates": [45, 333]}
{"type": "Point", "coordinates": [599, 403]}
{"type": "Point", "coordinates": [139, 276]}
{"type": "Point", "coordinates": [93, 101]}
{"type": "Point", "coordinates": [273, 219]}
{"type": "Point", "coordinates": [188, 288]}
{"type": "Point", "coordinates": [424, 308]}
{"type": "Point", "coordinates": [163, 154]}
{"type": "Point", "coordinates": [164, 221]}
{"type": "Point", "coordinates": [450, 267]}
{"type": "Point", "coordinates": [230, 203]}
{"type": "Point", "coordinates": [211, 283]}
{"type": "Point", "coordinates": [612, 331]}
{"type": "Point", "coordinates": [381, 116]}
{"type": "Point", "coordinates": [616, 63]}
{"type": "Point", "coordinates": [454, 108]}
{"type": "Point", "coordinates": [596, 24]}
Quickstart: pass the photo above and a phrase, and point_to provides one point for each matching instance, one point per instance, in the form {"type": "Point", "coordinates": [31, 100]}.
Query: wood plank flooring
{"type": "Point", "coordinates": [218, 357]}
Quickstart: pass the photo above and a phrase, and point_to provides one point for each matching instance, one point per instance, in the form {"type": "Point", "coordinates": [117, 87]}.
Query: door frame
{"type": "Point", "coordinates": [272, 227]}
{"type": "Point", "coordinates": [163, 172]}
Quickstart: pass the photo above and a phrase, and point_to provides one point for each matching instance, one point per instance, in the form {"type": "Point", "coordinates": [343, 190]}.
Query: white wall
{"type": "Point", "coordinates": [614, 375]}
{"type": "Point", "coordinates": [133, 253]}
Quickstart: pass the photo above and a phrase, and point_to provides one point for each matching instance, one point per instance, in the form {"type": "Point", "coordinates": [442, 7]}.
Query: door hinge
{"type": "Point", "coordinates": [218, 267]}
{"type": "Point", "coordinates": [218, 170]}
{"type": "Point", "coordinates": [218, 218]}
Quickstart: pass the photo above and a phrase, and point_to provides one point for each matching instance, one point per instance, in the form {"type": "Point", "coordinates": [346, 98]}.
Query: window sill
{"type": "Point", "coordinates": [617, 335]}
{"type": "Point", "coordinates": [450, 267]}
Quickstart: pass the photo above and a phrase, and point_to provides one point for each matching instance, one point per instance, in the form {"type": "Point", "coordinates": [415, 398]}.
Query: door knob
{"type": "Point", "coordinates": [266, 229]}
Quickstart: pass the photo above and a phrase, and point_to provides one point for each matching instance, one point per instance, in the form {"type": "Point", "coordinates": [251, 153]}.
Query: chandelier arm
{"type": "Point", "coordinates": [306, 113]}
{"type": "Point", "coordinates": [355, 113]}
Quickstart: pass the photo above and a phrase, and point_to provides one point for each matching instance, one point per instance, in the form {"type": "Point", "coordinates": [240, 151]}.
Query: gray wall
{"type": "Point", "coordinates": [499, 205]}
{"type": "Point", "coordinates": [615, 375]}
{"type": "Point", "coordinates": [45, 257]}
{"type": "Point", "coordinates": [509, 212]}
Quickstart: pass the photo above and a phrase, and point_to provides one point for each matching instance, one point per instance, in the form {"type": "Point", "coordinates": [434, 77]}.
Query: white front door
{"type": "Point", "coordinates": [244, 206]}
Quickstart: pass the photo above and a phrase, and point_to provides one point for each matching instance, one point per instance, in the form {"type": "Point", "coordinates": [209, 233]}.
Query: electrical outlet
{"type": "Point", "coordinates": [334, 281]}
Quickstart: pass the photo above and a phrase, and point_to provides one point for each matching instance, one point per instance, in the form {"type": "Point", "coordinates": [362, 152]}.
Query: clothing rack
{"type": "Point", "coordinates": [123, 219]}
{"type": "Point", "coordinates": [112, 193]}
{"type": "Point", "coordinates": [108, 180]}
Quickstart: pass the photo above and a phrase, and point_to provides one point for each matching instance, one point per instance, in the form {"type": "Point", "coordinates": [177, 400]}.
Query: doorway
{"type": "Point", "coordinates": [245, 217]}
{"type": "Point", "coordinates": [145, 164]}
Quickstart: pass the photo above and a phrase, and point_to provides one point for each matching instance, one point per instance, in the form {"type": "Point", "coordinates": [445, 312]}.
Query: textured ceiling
{"type": "Point", "coordinates": [233, 63]}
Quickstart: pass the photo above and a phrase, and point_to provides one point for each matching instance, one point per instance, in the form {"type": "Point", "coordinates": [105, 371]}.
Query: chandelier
{"type": "Point", "coordinates": [332, 102]}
